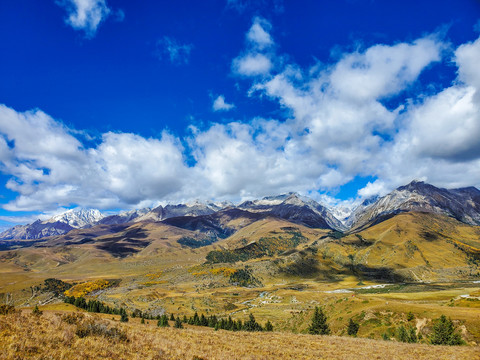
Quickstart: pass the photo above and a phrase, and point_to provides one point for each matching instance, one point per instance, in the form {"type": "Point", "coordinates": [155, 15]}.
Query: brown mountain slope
{"type": "Point", "coordinates": [412, 246]}
{"type": "Point", "coordinates": [269, 227]}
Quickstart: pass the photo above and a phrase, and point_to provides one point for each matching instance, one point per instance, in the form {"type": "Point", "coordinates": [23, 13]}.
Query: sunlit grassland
{"type": "Point", "coordinates": [29, 336]}
{"type": "Point", "coordinates": [422, 276]}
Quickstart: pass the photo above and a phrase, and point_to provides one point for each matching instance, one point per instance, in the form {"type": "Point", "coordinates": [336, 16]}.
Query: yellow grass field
{"type": "Point", "coordinates": [54, 336]}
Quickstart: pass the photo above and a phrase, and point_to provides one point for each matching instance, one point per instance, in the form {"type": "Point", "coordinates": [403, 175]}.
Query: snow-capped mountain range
{"type": "Point", "coordinates": [296, 208]}
{"type": "Point", "coordinates": [77, 219]}
{"type": "Point", "coordinates": [462, 204]}
{"type": "Point", "coordinates": [57, 225]}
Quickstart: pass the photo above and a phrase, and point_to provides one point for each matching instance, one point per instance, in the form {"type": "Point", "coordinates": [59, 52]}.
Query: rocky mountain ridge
{"type": "Point", "coordinates": [57, 225]}
{"type": "Point", "coordinates": [462, 204]}
{"type": "Point", "coordinates": [295, 208]}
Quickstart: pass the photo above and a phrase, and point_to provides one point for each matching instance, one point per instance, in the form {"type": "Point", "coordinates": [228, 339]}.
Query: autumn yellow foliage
{"type": "Point", "coordinates": [225, 271]}
{"type": "Point", "coordinates": [87, 287]}
{"type": "Point", "coordinates": [154, 275]}
{"type": "Point", "coordinates": [465, 247]}
{"type": "Point", "coordinates": [156, 282]}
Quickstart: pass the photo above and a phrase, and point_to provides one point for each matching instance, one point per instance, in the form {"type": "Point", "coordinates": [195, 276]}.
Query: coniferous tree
{"type": "Point", "coordinates": [178, 323]}
{"type": "Point", "coordinates": [408, 335]}
{"type": "Point", "coordinates": [444, 333]}
{"type": "Point", "coordinates": [36, 311]}
{"type": "Point", "coordinates": [142, 321]}
{"type": "Point", "coordinates": [412, 334]}
{"type": "Point", "coordinates": [196, 319]}
{"type": "Point", "coordinates": [353, 327]}
{"type": "Point", "coordinates": [229, 324]}
{"type": "Point", "coordinates": [163, 321]}
{"type": "Point", "coordinates": [251, 324]}
{"type": "Point", "coordinates": [401, 334]}
{"type": "Point", "coordinates": [203, 320]}
{"type": "Point", "coordinates": [172, 318]}
{"type": "Point", "coordinates": [268, 326]}
{"type": "Point", "coordinates": [319, 324]}
{"type": "Point", "coordinates": [212, 321]}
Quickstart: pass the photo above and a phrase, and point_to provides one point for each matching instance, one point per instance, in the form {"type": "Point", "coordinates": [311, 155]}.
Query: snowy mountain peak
{"type": "Point", "coordinates": [270, 200]}
{"type": "Point", "coordinates": [78, 218]}
{"type": "Point", "coordinates": [461, 204]}
{"type": "Point", "coordinates": [195, 203]}
{"type": "Point", "coordinates": [295, 199]}
{"type": "Point", "coordinates": [223, 204]}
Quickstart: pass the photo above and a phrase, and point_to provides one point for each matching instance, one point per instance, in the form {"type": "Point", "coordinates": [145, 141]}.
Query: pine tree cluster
{"type": "Point", "coordinates": [444, 331]}
{"type": "Point", "coordinates": [407, 334]}
{"type": "Point", "coordinates": [94, 306]}
{"type": "Point", "coordinates": [212, 321]}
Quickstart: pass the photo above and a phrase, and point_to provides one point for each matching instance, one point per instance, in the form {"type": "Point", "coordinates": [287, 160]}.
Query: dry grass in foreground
{"type": "Point", "coordinates": [82, 336]}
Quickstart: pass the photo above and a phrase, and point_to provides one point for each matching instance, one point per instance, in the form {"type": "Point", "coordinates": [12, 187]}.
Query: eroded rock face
{"type": "Point", "coordinates": [462, 204]}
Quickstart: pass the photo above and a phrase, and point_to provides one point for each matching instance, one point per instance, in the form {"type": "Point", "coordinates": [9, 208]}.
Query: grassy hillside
{"type": "Point", "coordinates": [58, 335]}
{"type": "Point", "coordinates": [412, 247]}
{"type": "Point", "coordinates": [419, 263]}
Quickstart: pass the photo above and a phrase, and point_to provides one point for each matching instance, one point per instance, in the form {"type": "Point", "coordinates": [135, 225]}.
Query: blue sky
{"type": "Point", "coordinates": [121, 104]}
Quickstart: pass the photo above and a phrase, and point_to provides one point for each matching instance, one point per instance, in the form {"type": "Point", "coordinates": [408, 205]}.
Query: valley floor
{"type": "Point", "coordinates": [55, 335]}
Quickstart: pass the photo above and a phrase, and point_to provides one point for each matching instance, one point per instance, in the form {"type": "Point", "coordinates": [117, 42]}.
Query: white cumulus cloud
{"type": "Point", "coordinates": [337, 128]}
{"type": "Point", "coordinates": [258, 35]}
{"type": "Point", "coordinates": [219, 104]}
{"type": "Point", "coordinates": [257, 58]}
{"type": "Point", "coordinates": [252, 65]}
{"type": "Point", "coordinates": [86, 15]}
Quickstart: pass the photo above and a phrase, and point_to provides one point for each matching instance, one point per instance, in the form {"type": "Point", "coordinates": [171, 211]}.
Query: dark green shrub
{"type": "Point", "coordinates": [268, 326]}
{"type": "Point", "coordinates": [352, 328]}
{"type": "Point", "coordinates": [124, 317]}
{"type": "Point", "coordinates": [93, 328]}
{"type": "Point", "coordinates": [410, 316]}
{"type": "Point", "coordinates": [7, 309]}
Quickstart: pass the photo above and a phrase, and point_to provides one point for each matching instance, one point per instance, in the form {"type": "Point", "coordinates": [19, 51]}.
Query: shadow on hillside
{"type": "Point", "coordinates": [377, 273]}
{"type": "Point", "coordinates": [126, 244]}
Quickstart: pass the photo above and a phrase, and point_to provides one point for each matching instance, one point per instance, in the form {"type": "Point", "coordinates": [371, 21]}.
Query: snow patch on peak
{"type": "Point", "coordinates": [273, 200]}
{"type": "Point", "coordinates": [341, 212]}
{"type": "Point", "coordinates": [295, 199]}
{"type": "Point", "coordinates": [195, 203]}
{"type": "Point", "coordinates": [78, 218]}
